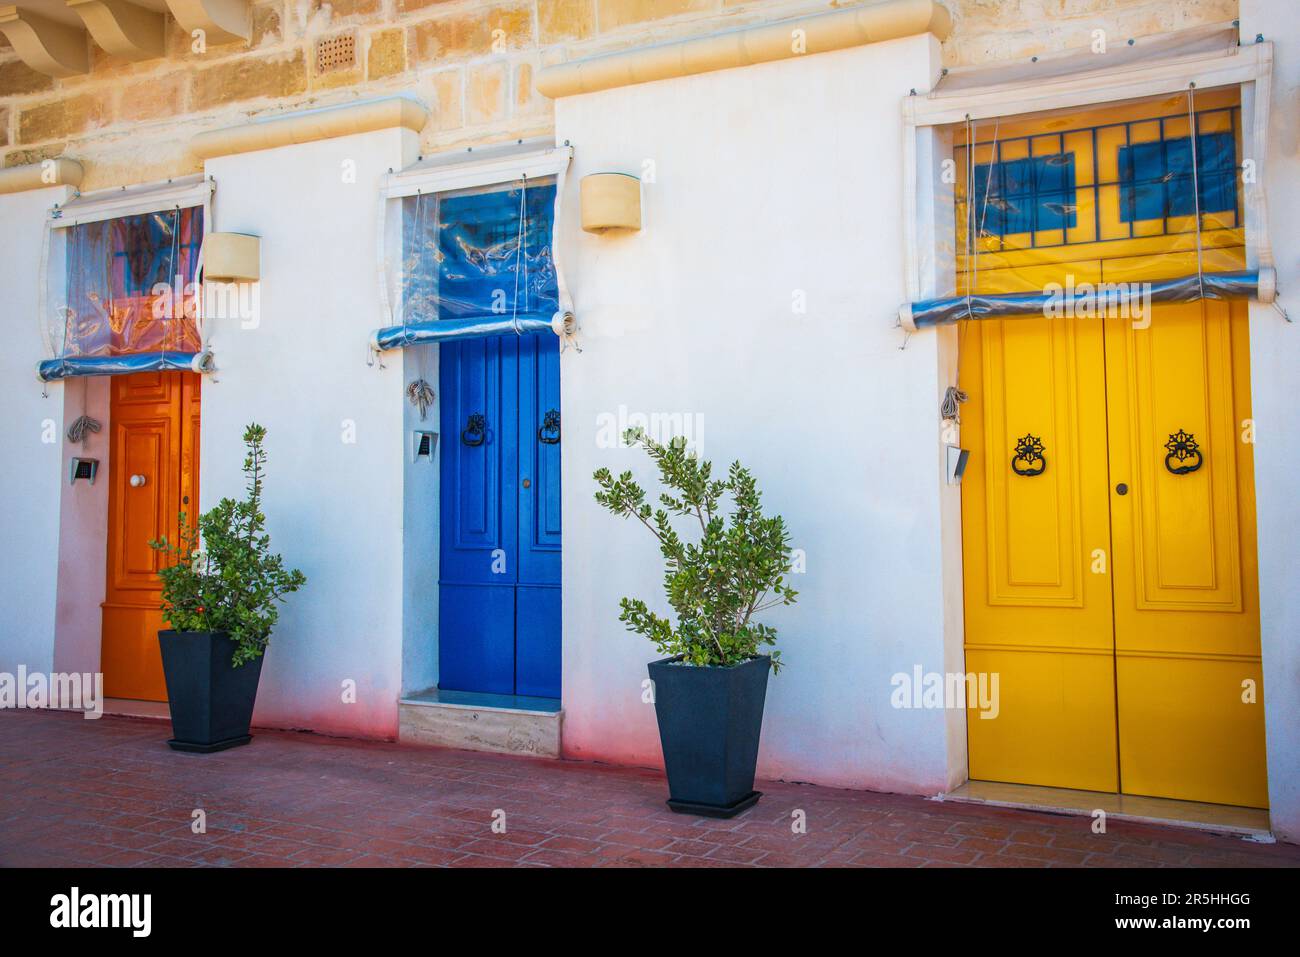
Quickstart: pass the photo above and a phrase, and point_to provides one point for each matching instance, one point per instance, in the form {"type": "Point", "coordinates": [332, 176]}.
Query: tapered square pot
{"type": "Point", "coordinates": [211, 700]}
{"type": "Point", "coordinates": [709, 724]}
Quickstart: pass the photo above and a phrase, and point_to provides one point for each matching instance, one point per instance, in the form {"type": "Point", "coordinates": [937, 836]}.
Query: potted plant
{"type": "Point", "coordinates": [219, 595]}
{"type": "Point", "coordinates": [709, 691]}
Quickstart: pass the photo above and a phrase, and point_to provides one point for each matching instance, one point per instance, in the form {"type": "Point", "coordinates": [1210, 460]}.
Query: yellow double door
{"type": "Point", "coordinates": [1108, 528]}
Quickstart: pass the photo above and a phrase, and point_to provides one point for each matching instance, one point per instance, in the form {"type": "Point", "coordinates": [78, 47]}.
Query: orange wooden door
{"type": "Point", "coordinates": [153, 476]}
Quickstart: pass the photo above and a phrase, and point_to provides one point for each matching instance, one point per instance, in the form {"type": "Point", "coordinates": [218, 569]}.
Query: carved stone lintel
{"type": "Point", "coordinates": [45, 45]}
{"type": "Point", "coordinates": [122, 28]}
{"type": "Point", "coordinates": [222, 21]}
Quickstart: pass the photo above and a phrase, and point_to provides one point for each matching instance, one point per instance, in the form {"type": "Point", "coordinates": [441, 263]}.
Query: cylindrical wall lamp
{"type": "Point", "coordinates": [611, 201]}
{"type": "Point", "coordinates": [232, 257]}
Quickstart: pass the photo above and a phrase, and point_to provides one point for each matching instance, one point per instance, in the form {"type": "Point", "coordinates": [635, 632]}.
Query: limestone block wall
{"type": "Point", "coordinates": [472, 61]}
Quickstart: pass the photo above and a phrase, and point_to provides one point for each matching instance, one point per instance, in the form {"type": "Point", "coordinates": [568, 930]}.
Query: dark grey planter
{"type": "Point", "coordinates": [709, 724]}
{"type": "Point", "coordinates": [211, 700]}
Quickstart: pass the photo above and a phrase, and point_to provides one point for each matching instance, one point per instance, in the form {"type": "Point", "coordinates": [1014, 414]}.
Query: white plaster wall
{"type": "Point", "coordinates": [334, 489]}
{"type": "Point", "coordinates": [1274, 368]}
{"type": "Point", "coordinates": [83, 532]}
{"type": "Point", "coordinates": [421, 525]}
{"type": "Point", "coordinates": [31, 436]}
{"type": "Point", "coordinates": [769, 181]}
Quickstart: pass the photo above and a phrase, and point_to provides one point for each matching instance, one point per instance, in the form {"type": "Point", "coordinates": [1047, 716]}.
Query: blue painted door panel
{"type": "Point", "coordinates": [476, 628]}
{"type": "Point", "coordinates": [537, 640]}
{"type": "Point", "coordinates": [499, 610]}
{"type": "Point", "coordinates": [539, 461]}
{"type": "Point", "coordinates": [479, 500]}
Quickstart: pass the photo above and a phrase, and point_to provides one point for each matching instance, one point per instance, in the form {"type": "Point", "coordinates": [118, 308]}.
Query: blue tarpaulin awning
{"type": "Point", "coordinates": [1085, 299]}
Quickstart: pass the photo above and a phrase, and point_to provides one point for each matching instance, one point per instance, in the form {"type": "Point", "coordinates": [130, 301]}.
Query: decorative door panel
{"type": "Point", "coordinates": [139, 514]}
{"type": "Point", "coordinates": [1035, 426]}
{"type": "Point", "coordinates": [1175, 441]}
{"type": "Point", "coordinates": [476, 632]}
{"type": "Point", "coordinates": [537, 640]}
{"type": "Point", "coordinates": [539, 454]}
{"type": "Point", "coordinates": [1034, 518]}
{"type": "Point", "coordinates": [1055, 724]}
{"type": "Point", "coordinates": [1185, 731]}
{"type": "Point", "coordinates": [479, 421]}
{"type": "Point", "coordinates": [1035, 540]}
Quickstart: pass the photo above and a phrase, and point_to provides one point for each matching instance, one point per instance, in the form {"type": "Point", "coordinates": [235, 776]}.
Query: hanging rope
{"type": "Point", "coordinates": [984, 210]}
{"type": "Point", "coordinates": [948, 408]}
{"type": "Point", "coordinates": [418, 240]}
{"type": "Point", "coordinates": [521, 261]}
{"type": "Point", "coordinates": [1196, 185]}
{"type": "Point", "coordinates": [970, 206]}
{"type": "Point", "coordinates": [170, 314]}
{"type": "Point", "coordinates": [421, 395]}
{"type": "Point", "coordinates": [78, 429]}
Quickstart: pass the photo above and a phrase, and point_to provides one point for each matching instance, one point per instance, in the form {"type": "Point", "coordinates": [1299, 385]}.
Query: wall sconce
{"type": "Point", "coordinates": [611, 201]}
{"type": "Point", "coordinates": [232, 257]}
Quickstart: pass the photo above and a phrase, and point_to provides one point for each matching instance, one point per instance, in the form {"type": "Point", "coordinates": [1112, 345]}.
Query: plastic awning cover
{"type": "Point", "coordinates": [475, 263]}
{"type": "Point", "coordinates": [1077, 213]}
{"type": "Point", "coordinates": [1119, 55]}
{"type": "Point", "coordinates": [52, 369]}
{"type": "Point", "coordinates": [1085, 299]}
{"type": "Point", "coordinates": [395, 337]}
{"type": "Point", "coordinates": [122, 293]}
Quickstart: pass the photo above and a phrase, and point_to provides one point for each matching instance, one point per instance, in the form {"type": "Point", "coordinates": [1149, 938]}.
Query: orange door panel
{"type": "Point", "coordinates": [153, 459]}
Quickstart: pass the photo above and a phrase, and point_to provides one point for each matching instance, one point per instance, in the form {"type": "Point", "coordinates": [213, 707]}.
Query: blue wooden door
{"type": "Point", "coordinates": [499, 587]}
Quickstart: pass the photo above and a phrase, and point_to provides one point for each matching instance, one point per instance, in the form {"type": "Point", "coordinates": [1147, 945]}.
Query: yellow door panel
{"type": "Point", "coordinates": [1185, 733]}
{"type": "Point", "coordinates": [1186, 588]}
{"type": "Point", "coordinates": [1038, 606]}
{"type": "Point", "coordinates": [1055, 724]}
{"type": "Point", "coordinates": [1177, 536]}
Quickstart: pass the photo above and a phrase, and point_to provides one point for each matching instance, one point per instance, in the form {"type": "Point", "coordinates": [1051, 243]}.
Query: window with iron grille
{"type": "Point", "coordinates": [1156, 178]}
{"type": "Point", "coordinates": [1111, 181]}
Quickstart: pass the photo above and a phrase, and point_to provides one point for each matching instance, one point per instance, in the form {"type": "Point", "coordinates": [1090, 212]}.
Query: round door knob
{"type": "Point", "coordinates": [1121, 489]}
{"type": "Point", "coordinates": [137, 481]}
{"type": "Point", "coordinates": [527, 484]}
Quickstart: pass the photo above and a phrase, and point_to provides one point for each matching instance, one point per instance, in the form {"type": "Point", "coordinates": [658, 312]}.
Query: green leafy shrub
{"type": "Point", "coordinates": [718, 584]}
{"type": "Point", "coordinates": [222, 575]}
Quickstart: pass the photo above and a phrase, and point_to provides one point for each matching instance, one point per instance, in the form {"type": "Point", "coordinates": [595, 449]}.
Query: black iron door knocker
{"type": "Point", "coordinates": [1182, 450]}
{"type": "Point", "coordinates": [549, 433]}
{"type": "Point", "coordinates": [475, 430]}
{"type": "Point", "coordinates": [1029, 459]}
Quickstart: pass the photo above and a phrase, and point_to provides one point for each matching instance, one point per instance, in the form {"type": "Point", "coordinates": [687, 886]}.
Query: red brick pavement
{"type": "Point", "coordinates": [110, 792]}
